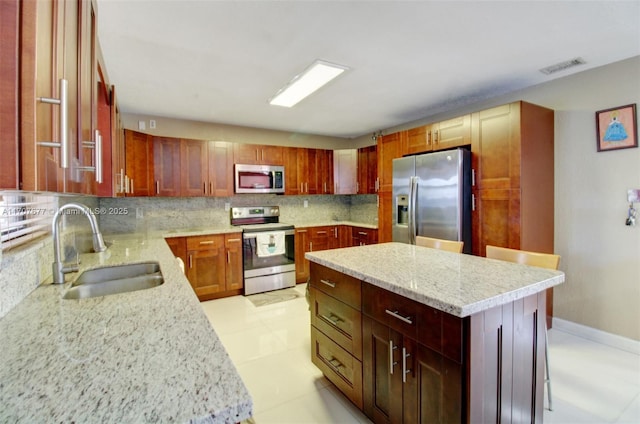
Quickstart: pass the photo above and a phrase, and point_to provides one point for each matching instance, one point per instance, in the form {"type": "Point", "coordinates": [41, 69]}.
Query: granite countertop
{"type": "Point", "coordinates": [225, 229]}
{"type": "Point", "coordinates": [144, 356]}
{"type": "Point", "coordinates": [458, 284]}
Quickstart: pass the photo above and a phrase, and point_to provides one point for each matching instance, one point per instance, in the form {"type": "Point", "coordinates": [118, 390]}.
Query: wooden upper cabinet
{"type": "Point", "coordinates": [324, 174]}
{"type": "Point", "coordinates": [166, 166]}
{"type": "Point", "coordinates": [496, 147]}
{"type": "Point", "coordinates": [194, 168]}
{"type": "Point", "coordinates": [367, 170]}
{"type": "Point", "coordinates": [442, 135]}
{"type": "Point", "coordinates": [220, 157]}
{"type": "Point", "coordinates": [292, 183]}
{"type": "Point", "coordinates": [389, 147]}
{"type": "Point", "coordinates": [139, 164]}
{"type": "Point", "coordinates": [255, 154]}
{"type": "Point", "coordinates": [9, 107]}
{"type": "Point", "coordinates": [452, 133]}
{"type": "Point", "coordinates": [345, 171]}
{"type": "Point", "coordinates": [87, 95]}
{"type": "Point", "coordinates": [419, 139]}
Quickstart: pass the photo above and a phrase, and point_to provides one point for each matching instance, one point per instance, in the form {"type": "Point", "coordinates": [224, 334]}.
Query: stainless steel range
{"type": "Point", "coordinates": [268, 250]}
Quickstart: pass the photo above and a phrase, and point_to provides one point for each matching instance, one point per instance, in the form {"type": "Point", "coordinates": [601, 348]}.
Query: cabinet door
{"type": "Point", "coordinates": [390, 147]}
{"type": "Point", "coordinates": [335, 240]}
{"type": "Point", "coordinates": [433, 388]}
{"type": "Point", "coordinates": [312, 184]}
{"type": "Point", "coordinates": [194, 169]}
{"type": "Point", "coordinates": [234, 277]}
{"type": "Point", "coordinates": [9, 83]}
{"type": "Point", "coordinates": [381, 369]}
{"type": "Point", "coordinates": [325, 174]}
{"type": "Point", "coordinates": [495, 219]}
{"type": "Point", "coordinates": [87, 77]}
{"type": "Point", "coordinates": [109, 168]}
{"type": "Point", "coordinates": [139, 164]}
{"type": "Point", "coordinates": [302, 246]}
{"type": "Point", "coordinates": [454, 132]}
{"type": "Point", "coordinates": [367, 170]}
{"type": "Point", "coordinates": [166, 165]}
{"type": "Point", "coordinates": [345, 171]}
{"type": "Point", "coordinates": [220, 168]}
{"type": "Point", "coordinates": [495, 142]}
{"type": "Point", "coordinates": [292, 184]}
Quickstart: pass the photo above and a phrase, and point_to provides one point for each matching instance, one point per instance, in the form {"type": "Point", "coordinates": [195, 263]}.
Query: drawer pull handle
{"type": "Point", "coordinates": [328, 283]}
{"type": "Point", "coordinates": [362, 233]}
{"type": "Point", "coordinates": [395, 314]}
{"type": "Point", "coordinates": [405, 355]}
{"type": "Point", "coordinates": [392, 364]}
{"type": "Point", "coordinates": [321, 232]}
{"type": "Point", "coordinates": [336, 365]}
{"type": "Point", "coordinates": [332, 319]}
{"type": "Point", "coordinates": [206, 242]}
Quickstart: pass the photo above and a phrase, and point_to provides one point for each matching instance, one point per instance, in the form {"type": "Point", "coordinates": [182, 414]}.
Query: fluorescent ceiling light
{"type": "Point", "coordinates": [314, 77]}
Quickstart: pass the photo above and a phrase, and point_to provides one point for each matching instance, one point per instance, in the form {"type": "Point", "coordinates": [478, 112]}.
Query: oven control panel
{"type": "Point", "coordinates": [254, 215]}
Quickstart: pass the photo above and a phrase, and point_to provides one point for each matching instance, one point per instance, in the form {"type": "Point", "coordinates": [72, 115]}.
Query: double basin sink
{"type": "Point", "coordinates": [115, 279]}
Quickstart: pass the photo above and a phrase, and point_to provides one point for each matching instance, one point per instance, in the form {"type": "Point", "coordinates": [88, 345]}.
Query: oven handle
{"type": "Point", "coordinates": [253, 235]}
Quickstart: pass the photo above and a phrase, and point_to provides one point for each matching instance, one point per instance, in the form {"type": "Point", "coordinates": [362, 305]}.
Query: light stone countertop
{"type": "Point", "coordinates": [189, 232]}
{"type": "Point", "coordinates": [144, 356]}
{"type": "Point", "coordinates": [458, 284]}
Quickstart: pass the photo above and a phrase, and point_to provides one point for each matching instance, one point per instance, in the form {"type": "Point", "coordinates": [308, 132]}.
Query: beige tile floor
{"type": "Point", "coordinates": [270, 346]}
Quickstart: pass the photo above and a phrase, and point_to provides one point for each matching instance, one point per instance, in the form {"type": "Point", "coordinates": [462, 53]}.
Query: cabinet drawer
{"type": "Point", "coordinates": [205, 242]}
{"type": "Point", "coordinates": [341, 368]}
{"type": "Point", "coordinates": [339, 321]}
{"type": "Point", "coordinates": [343, 287]}
{"type": "Point", "coordinates": [435, 329]}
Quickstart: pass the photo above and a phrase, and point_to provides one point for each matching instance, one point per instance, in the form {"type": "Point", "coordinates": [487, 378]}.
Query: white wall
{"type": "Point", "coordinates": [600, 255]}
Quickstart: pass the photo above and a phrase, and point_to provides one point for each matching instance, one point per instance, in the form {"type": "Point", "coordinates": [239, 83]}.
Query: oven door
{"type": "Point", "coordinates": [264, 271]}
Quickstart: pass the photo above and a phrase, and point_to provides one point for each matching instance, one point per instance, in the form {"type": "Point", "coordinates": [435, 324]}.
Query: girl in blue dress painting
{"type": "Point", "coordinates": [615, 130]}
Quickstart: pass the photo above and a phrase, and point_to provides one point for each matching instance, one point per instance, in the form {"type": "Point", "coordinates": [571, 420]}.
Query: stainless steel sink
{"type": "Point", "coordinates": [115, 279]}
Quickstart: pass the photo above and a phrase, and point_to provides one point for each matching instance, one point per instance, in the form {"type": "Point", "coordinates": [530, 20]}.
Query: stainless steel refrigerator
{"type": "Point", "coordinates": [432, 197]}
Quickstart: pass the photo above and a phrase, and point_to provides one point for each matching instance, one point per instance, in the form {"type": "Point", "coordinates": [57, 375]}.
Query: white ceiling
{"type": "Point", "coordinates": [220, 61]}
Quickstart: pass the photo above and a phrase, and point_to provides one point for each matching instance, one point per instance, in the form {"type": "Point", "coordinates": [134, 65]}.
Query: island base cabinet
{"type": "Point", "coordinates": [406, 382]}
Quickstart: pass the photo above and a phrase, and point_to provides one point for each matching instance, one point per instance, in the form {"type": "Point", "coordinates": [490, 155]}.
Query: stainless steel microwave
{"type": "Point", "coordinates": [259, 179]}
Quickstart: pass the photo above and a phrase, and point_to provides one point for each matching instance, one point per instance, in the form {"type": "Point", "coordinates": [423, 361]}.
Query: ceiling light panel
{"type": "Point", "coordinates": [306, 83]}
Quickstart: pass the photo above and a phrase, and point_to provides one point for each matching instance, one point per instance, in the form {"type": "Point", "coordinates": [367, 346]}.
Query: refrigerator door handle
{"type": "Point", "coordinates": [413, 195]}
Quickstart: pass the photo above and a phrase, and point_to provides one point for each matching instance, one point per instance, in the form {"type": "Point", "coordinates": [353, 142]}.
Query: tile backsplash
{"type": "Point", "coordinates": [124, 215]}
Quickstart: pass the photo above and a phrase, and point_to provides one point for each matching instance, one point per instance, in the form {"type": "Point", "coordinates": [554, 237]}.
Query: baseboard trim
{"type": "Point", "coordinates": [595, 335]}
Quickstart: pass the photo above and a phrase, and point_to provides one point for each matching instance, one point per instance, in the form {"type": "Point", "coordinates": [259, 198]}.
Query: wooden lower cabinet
{"type": "Point", "coordinates": [417, 364]}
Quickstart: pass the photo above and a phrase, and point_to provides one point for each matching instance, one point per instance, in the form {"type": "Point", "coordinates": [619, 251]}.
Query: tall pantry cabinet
{"type": "Point", "coordinates": [513, 193]}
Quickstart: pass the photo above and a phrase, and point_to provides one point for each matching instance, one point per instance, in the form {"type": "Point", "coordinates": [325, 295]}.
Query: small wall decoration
{"type": "Point", "coordinates": [616, 128]}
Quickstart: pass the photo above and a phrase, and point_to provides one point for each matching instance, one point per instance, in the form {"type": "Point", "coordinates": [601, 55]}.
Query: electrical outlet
{"type": "Point", "coordinates": [227, 207]}
{"type": "Point", "coordinates": [306, 203]}
{"type": "Point", "coordinates": [152, 123]}
{"type": "Point", "coordinates": [142, 125]}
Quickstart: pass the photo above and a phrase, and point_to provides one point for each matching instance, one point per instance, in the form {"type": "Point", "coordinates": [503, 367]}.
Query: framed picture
{"type": "Point", "coordinates": [616, 128]}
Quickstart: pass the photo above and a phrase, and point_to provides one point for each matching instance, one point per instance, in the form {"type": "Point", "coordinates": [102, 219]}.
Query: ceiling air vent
{"type": "Point", "coordinates": [562, 66]}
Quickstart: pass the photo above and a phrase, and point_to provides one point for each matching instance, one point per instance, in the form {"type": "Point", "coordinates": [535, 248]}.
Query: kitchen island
{"type": "Point", "coordinates": [144, 356]}
{"type": "Point", "coordinates": [412, 334]}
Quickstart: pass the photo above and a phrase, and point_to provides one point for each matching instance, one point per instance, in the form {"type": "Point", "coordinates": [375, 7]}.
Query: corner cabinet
{"type": "Point", "coordinates": [213, 263]}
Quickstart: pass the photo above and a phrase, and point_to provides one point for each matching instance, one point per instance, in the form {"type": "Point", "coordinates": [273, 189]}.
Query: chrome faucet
{"type": "Point", "coordinates": [59, 268]}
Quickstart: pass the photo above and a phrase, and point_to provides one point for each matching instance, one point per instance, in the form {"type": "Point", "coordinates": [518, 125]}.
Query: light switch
{"type": "Point", "coordinates": [306, 203]}
{"type": "Point", "coordinates": [142, 125]}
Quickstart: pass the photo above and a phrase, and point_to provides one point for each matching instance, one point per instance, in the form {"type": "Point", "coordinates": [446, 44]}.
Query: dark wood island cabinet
{"type": "Point", "coordinates": [417, 335]}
